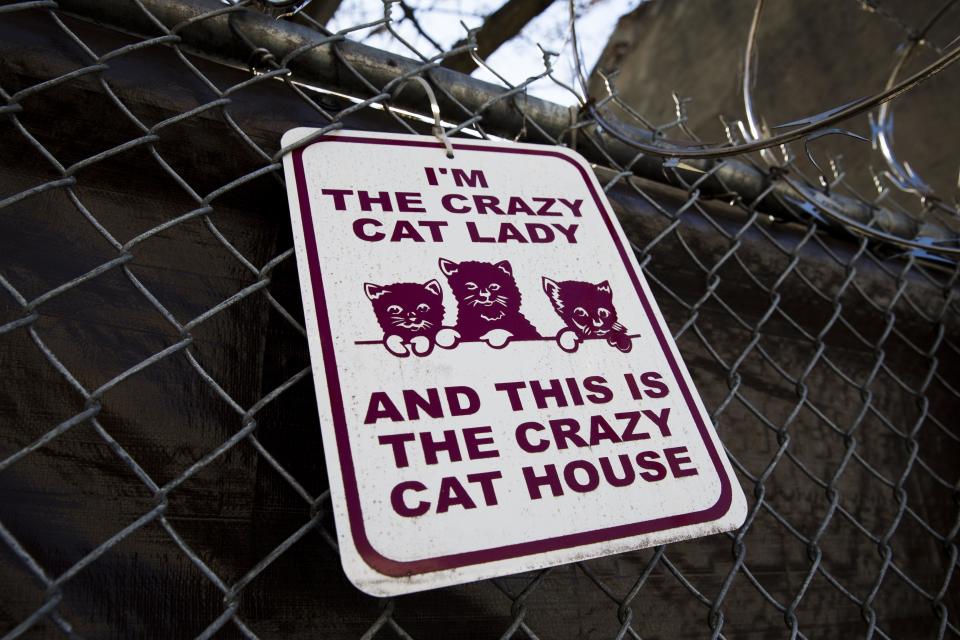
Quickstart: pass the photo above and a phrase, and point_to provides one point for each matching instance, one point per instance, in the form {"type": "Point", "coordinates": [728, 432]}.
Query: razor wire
{"type": "Point", "coordinates": [821, 325]}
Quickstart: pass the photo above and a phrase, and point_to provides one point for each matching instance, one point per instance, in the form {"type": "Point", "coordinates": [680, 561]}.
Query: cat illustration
{"type": "Point", "coordinates": [587, 310]}
{"type": "Point", "coordinates": [488, 302]}
{"type": "Point", "coordinates": [410, 314]}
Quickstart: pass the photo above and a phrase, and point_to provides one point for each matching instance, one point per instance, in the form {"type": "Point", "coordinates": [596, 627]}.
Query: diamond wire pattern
{"type": "Point", "coordinates": [735, 320]}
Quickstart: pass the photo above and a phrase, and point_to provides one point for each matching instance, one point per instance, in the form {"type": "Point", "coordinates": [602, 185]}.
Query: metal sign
{"type": "Point", "coordinates": [497, 389]}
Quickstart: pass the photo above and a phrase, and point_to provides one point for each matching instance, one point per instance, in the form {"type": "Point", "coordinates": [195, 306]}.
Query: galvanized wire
{"type": "Point", "coordinates": [827, 360]}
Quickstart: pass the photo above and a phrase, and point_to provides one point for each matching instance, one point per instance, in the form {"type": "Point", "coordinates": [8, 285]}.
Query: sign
{"type": "Point", "coordinates": [497, 389]}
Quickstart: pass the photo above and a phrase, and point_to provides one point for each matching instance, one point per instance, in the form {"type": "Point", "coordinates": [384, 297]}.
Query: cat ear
{"type": "Point", "coordinates": [604, 287]}
{"type": "Point", "coordinates": [434, 287]}
{"type": "Point", "coordinates": [373, 291]}
{"type": "Point", "coordinates": [552, 289]}
{"type": "Point", "coordinates": [449, 267]}
{"type": "Point", "coordinates": [504, 266]}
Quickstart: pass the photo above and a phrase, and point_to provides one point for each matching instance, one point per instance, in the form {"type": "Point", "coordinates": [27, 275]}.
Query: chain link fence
{"type": "Point", "coordinates": [161, 470]}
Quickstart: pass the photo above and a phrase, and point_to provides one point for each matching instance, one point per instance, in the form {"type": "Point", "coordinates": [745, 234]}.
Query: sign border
{"type": "Point", "coordinates": [398, 568]}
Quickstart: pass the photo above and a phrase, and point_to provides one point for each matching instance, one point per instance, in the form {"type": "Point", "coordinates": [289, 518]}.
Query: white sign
{"type": "Point", "coordinates": [497, 389]}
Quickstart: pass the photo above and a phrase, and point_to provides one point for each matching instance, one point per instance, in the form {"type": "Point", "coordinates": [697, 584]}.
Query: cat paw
{"type": "Point", "coordinates": [421, 345]}
{"type": "Point", "coordinates": [568, 340]}
{"type": "Point", "coordinates": [621, 342]}
{"type": "Point", "coordinates": [394, 345]}
{"type": "Point", "coordinates": [497, 338]}
{"type": "Point", "coordinates": [447, 338]}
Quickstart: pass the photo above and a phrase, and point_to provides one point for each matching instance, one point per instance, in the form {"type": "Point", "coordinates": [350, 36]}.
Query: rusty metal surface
{"type": "Point", "coordinates": [160, 459]}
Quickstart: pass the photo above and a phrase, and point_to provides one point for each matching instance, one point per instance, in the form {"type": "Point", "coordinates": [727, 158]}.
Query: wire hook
{"type": "Point", "coordinates": [434, 108]}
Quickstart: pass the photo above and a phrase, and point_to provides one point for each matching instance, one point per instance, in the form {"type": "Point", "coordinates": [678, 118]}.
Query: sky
{"type": "Point", "coordinates": [517, 59]}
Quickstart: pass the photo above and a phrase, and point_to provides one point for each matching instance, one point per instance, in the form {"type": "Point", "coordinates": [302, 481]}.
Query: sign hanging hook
{"type": "Point", "coordinates": [434, 108]}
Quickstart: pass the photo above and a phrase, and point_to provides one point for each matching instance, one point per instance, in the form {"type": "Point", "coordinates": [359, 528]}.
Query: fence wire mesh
{"type": "Point", "coordinates": [161, 469]}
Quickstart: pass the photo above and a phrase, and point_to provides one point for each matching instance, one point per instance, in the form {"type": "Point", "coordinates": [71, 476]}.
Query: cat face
{"type": "Point", "coordinates": [481, 286]}
{"type": "Point", "coordinates": [407, 308]}
{"type": "Point", "coordinates": [585, 307]}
